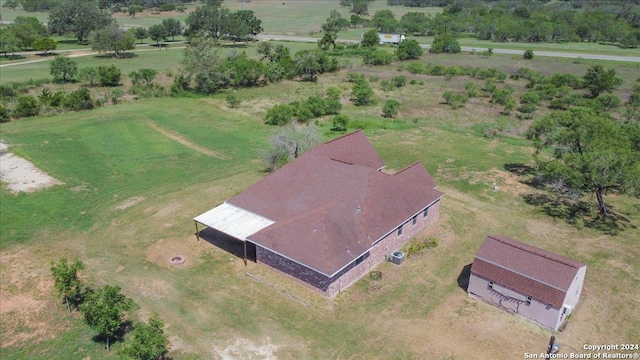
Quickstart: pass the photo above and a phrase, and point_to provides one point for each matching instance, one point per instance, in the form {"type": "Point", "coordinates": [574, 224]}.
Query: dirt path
{"type": "Point", "coordinates": [20, 174]}
{"type": "Point", "coordinates": [185, 142]}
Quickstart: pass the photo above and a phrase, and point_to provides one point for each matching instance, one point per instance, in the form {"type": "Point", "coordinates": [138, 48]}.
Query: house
{"type": "Point", "coordinates": [329, 216]}
{"type": "Point", "coordinates": [539, 285]}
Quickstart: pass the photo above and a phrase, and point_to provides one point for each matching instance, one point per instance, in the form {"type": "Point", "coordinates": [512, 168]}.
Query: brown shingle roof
{"type": "Point", "coordinates": [331, 204]}
{"type": "Point", "coordinates": [527, 269]}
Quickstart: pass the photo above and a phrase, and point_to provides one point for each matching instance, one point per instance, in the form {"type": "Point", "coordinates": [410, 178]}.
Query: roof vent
{"type": "Point", "coordinates": [358, 208]}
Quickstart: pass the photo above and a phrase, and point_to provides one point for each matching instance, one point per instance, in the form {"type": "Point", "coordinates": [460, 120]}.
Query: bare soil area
{"type": "Point", "coordinates": [20, 174]}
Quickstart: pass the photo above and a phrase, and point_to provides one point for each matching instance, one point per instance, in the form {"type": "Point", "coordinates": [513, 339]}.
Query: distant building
{"type": "Point", "coordinates": [539, 285]}
{"type": "Point", "coordinates": [329, 216]}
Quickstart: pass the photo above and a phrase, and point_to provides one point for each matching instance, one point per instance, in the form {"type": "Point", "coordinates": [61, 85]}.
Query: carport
{"type": "Point", "coordinates": [233, 221]}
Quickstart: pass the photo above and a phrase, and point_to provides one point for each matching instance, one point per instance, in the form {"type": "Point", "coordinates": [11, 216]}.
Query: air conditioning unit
{"type": "Point", "coordinates": [397, 257]}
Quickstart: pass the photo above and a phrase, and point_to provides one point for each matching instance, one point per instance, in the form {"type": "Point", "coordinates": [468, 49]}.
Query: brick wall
{"type": "Point", "coordinates": [331, 286]}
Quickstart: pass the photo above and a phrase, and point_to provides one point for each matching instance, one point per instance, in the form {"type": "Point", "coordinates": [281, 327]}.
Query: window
{"type": "Point", "coordinates": [415, 220]}
{"type": "Point", "coordinates": [359, 260]}
{"type": "Point", "coordinates": [425, 213]}
{"type": "Point", "coordinates": [528, 302]}
{"type": "Point", "coordinates": [400, 230]}
{"type": "Point", "coordinates": [491, 285]}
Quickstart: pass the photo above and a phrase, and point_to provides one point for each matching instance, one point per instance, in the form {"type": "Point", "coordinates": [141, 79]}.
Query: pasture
{"type": "Point", "coordinates": [130, 191]}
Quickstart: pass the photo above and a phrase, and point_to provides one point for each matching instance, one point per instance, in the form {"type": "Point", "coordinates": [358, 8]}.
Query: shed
{"type": "Point", "coordinates": [539, 285]}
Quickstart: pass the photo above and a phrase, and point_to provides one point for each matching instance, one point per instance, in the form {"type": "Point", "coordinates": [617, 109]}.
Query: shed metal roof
{"type": "Point", "coordinates": [233, 220]}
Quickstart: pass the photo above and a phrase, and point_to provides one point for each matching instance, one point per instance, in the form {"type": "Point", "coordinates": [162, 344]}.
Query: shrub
{"type": "Point", "coordinates": [490, 86]}
{"type": "Point", "coordinates": [181, 9]}
{"type": "Point", "coordinates": [386, 85]}
{"type": "Point", "coordinates": [527, 108]}
{"type": "Point", "coordinates": [456, 100]}
{"type": "Point", "coordinates": [528, 54]}
{"type": "Point", "coordinates": [340, 122]}
{"type": "Point", "coordinates": [143, 77]}
{"type": "Point", "coordinates": [89, 74]}
{"type": "Point", "coordinates": [373, 78]}
{"type": "Point", "coordinates": [167, 7]}
{"type": "Point", "coordinates": [500, 96]}
{"type": "Point", "coordinates": [417, 68]}
{"type": "Point", "coordinates": [233, 101]}
{"type": "Point", "coordinates": [409, 49]}
{"type": "Point", "coordinates": [333, 92]}
{"type": "Point", "coordinates": [354, 77]}
{"type": "Point", "coordinates": [445, 43]}
{"type": "Point", "coordinates": [4, 114]}
{"type": "Point", "coordinates": [399, 81]}
{"type": "Point", "coordinates": [27, 106]}
{"type": "Point", "coordinates": [109, 75]}
{"type": "Point", "coordinates": [378, 57]}
{"type": "Point", "coordinates": [530, 97]}
{"type": "Point", "coordinates": [390, 108]}
{"type": "Point", "coordinates": [471, 89]}
{"type": "Point", "coordinates": [375, 275]}
{"type": "Point", "coordinates": [7, 92]}
{"type": "Point", "coordinates": [79, 100]}
{"type": "Point", "coordinates": [280, 115]}
{"type": "Point", "coordinates": [417, 245]}
{"type": "Point", "coordinates": [608, 101]}
{"type": "Point", "coordinates": [562, 79]}
{"type": "Point", "coordinates": [437, 70]}
{"type": "Point", "coordinates": [362, 93]}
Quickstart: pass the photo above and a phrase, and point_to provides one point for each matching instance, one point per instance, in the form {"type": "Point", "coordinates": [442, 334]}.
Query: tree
{"type": "Point", "coordinates": [370, 39]}
{"type": "Point", "coordinates": [66, 281]}
{"type": "Point", "coordinates": [173, 27]}
{"type": "Point", "coordinates": [334, 23]}
{"type": "Point", "coordinates": [89, 74]}
{"type": "Point", "coordinates": [445, 43]}
{"type": "Point", "coordinates": [109, 75]}
{"type": "Point", "coordinates": [79, 100]}
{"type": "Point", "coordinates": [591, 153]}
{"type": "Point", "coordinates": [133, 9]}
{"type": "Point", "coordinates": [409, 49]}
{"type": "Point", "coordinates": [78, 17]}
{"type": "Point", "coordinates": [281, 114]}
{"type": "Point", "coordinates": [361, 93]}
{"type": "Point", "coordinates": [598, 80]}
{"type": "Point", "coordinates": [63, 69]}
{"type": "Point", "coordinates": [415, 23]}
{"type": "Point", "coordinates": [390, 108]}
{"type": "Point", "coordinates": [360, 7]}
{"type": "Point", "coordinates": [289, 143]}
{"type": "Point", "coordinates": [112, 38]}
{"type": "Point", "coordinates": [340, 122]}
{"type": "Point", "coordinates": [149, 341]}
{"type": "Point", "coordinates": [242, 71]}
{"type": "Point", "coordinates": [385, 21]}
{"type": "Point", "coordinates": [158, 32]}
{"type": "Point", "coordinates": [44, 44]}
{"type": "Point", "coordinates": [141, 33]}
{"type": "Point", "coordinates": [104, 311]}
{"type": "Point", "coordinates": [307, 65]}
{"type": "Point", "coordinates": [201, 62]}
{"type": "Point", "coordinates": [249, 19]}
{"type": "Point", "coordinates": [27, 29]}
{"type": "Point", "coordinates": [143, 77]}
{"type": "Point", "coordinates": [207, 21]}
{"type": "Point", "coordinates": [8, 42]}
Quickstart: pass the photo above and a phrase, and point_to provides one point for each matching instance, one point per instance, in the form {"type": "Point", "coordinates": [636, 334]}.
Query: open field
{"type": "Point", "coordinates": [136, 174]}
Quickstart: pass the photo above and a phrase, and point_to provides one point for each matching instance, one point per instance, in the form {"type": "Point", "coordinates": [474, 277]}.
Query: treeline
{"type": "Point", "coordinates": [613, 22]}
{"type": "Point", "coordinates": [160, 5]}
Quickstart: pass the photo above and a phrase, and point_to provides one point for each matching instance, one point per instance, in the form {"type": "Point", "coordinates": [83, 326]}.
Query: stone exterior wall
{"type": "Point", "coordinates": [331, 286]}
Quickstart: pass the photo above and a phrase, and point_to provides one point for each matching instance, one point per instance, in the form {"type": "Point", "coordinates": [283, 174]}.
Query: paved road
{"type": "Point", "coordinates": [465, 48]}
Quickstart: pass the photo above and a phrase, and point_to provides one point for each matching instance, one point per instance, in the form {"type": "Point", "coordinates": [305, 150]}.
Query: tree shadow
{"type": "Point", "coordinates": [12, 57]}
{"type": "Point", "coordinates": [47, 54]}
{"type": "Point", "coordinates": [580, 214]}
{"type": "Point", "coordinates": [463, 278]}
{"type": "Point", "coordinates": [235, 45]}
{"type": "Point", "coordinates": [124, 55]}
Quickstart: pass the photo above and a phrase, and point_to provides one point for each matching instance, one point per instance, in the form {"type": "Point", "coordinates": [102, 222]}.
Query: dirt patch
{"type": "Point", "coordinates": [20, 174]}
{"type": "Point", "coordinates": [187, 247]}
{"type": "Point", "coordinates": [245, 349]}
{"type": "Point", "coordinates": [129, 203]}
{"type": "Point", "coordinates": [169, 210]}
{"type": "Point", "coordinates": [185, 142]}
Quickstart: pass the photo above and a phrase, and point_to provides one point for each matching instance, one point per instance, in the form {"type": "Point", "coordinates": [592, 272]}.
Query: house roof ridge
{"type": "Point", "coordinates": [538, 251]}
{"type": "Point", "coordinates": [342, 137]}
{"type": "Point", "coordinates": [407, 167]}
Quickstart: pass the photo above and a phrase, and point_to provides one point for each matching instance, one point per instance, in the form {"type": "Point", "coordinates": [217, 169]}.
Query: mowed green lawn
{"type": "Point", "coordinates": [131, 190]}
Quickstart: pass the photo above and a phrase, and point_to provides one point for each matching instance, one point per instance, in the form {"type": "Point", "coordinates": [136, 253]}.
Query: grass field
{"type": "Point", "coordinates": [130, 191]}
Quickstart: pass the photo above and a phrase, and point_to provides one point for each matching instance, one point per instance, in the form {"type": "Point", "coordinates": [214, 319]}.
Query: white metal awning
{"type": "Point", "coordinates": [233, 220]}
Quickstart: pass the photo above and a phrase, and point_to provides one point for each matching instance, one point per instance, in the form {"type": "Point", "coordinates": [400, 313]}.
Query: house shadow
{"type": "Point", "coordinates": [463, 278]}
{"type": "Point", "coordinates": [228, 243]}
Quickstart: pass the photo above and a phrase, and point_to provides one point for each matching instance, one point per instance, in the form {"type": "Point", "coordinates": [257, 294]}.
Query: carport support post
{"type": "Point", "coordinates": [245, 253]}
{"type": "Point", "coordinates": [197, 236]}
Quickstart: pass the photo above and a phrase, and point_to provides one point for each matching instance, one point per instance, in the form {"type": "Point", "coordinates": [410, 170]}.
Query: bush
{"type": "Point", "coordinates": [362, 93]}
{"type": "Point", "coordinates": [167, 7]}
{"type": "Point", "coordinates": [528, 54]}
{"type": "Point", "coordinates": [500, 96]}
{"type": "Point", "coordinates": [386, 85]}
{"type": "Point", "coordinates": [390, 108]}
{"type": "Point", "coordinates": [471, 89]}
{"type": "Point", "coordinates": [562, 79]}
{"type": "Point", "coordinates": [7, 92]}
{"type": "Point", "coordinates": [4, 114]}
{"type": "Point", "coordinates": [527, 108]}
{"type": "Point", "coordinates": [456, 100]}
{"type": "Point", "coordinates": [89, 74]}
{"type": "Point", "coordinates": [354, 77]}
{"type": "Point", "coordinates": [109, 75]}
{"type": "Point", "coordinates": [340, 122]}
{"type": "Point", "coordinates": [417, 245]}
{"type": "Point", "coordinates": [79, 100]}
{"type": "Point", "coordinates": [378, 57]}
{"type": "Point", "coordinates": [445, 43]}
{"type": "Point", "coordinates": [417, 68]}
{"type": "Point", "coordinates": [233, 101]}
{"type": "Point", "coordinates": [143, 77]}
{"type": "Point", "coordinates": [333, 92]}
{"type": "Point", "coordinates": [280, 115]}
{"type": "Point", "coordinates": [409, 49]}
{"type": "Point", "coordinates": [399, 81]}
{"type": "Point", "coordinates": [181, 9]}
{"type": "Point", "coordinates": [27, 106]}
{"type": "Point", "coordinates": [608, 101]}
{"type": "Point", "coordinates": [530, 97]}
